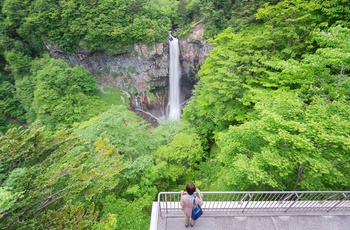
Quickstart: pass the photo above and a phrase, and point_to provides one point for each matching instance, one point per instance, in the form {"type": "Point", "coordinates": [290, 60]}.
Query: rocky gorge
{"type": "Point", "coordinates": [142, 73]}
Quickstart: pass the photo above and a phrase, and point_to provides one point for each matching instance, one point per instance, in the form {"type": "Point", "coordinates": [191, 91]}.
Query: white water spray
{"type": "Point", "coordinates": [174, 106]}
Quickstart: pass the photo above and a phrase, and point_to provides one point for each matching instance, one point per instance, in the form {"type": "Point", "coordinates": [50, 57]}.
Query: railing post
{"type": "Point", "coordinates": [298, 197]}
{"type": "Point", "coordinates": [251, 196]}
{"type": "Point", "coordinates": [159, 207]}
{"type": "Point", "coordinates": [340, 201]}
{"type": "Point", "coordinates": [243, 199]}
{"type": "Point", "coordinates": [166, 203]}
{"type": "Point", "coordinates": [287, 197]}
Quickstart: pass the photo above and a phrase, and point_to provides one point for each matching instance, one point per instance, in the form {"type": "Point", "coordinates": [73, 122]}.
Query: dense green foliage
{"type": "Point", "coordinates": [94, 25]}
{"type": "Point", "coordinates": [91, 175]}
{"type": "Point", "coordinates": [272, 102]}
{"type": "Point", "coordinates": [270, 110]}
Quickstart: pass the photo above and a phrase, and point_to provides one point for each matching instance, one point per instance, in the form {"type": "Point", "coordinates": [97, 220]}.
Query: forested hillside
{"type": "Point", "coordinates": [270, 110]}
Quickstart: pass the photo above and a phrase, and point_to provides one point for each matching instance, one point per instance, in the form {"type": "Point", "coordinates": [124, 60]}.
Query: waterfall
{"type": "Point", "coordinates": [174, 107]}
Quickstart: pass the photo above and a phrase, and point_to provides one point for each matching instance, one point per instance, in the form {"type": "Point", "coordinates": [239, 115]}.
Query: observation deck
{"type": "Point", "coordinates": [313, 210]}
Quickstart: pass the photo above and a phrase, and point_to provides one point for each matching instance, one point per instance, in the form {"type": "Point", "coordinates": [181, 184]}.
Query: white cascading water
{"type": "Point", "coordinates": [174, 106]}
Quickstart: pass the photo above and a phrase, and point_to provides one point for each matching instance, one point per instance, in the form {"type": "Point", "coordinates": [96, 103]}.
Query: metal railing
{"type": "Point", "coordinates": [245, 203]}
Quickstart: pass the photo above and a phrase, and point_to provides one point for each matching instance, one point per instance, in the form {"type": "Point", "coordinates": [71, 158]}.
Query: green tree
{"type": "Point", "coordinates": [135, 143]}
{"type": "Point", "coordinates": [18, 62]}
{"type": "Point", "coordinates": [336, 11]}
{"type": "Point", "coordinates": [129, 214]}
{"type": "Point", "coordinates": [217, 97]}
{"type": "Point", "coordinates": [11, 108]}
{"type": "Point", "coordinates": [176, 162]}
{"type": "Point", "coordinates": [54, 172]}
{"type": "Point", "coordinates": [286, 145]}
{"type": "Point", "coordinates": [8, 200]}
{"type": "Point", "coordinates": [321, 73]}
{"type": "Point", "coordinates": [256, 93]}
{"type": "Point", "coordinates": [241, 60]}
{"type": "Point", "coordinates": [63, 95]}
{"type": "Point", "coordinates": [294, 137]}
{"type": "Point", "coordinates": [288, 25]}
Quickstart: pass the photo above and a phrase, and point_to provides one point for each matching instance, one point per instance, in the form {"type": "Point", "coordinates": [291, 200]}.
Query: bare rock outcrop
{"type": "Point", "coordinates": [144, 68]}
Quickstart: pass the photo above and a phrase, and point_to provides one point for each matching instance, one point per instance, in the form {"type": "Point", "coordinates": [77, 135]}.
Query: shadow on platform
{"type": "Point", "coordinates": [341, 222]}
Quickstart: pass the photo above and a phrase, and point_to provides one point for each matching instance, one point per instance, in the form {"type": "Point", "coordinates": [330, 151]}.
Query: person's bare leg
{"type": "Point", "coordinates": [193, 222]}
{"type": "Point", "coordinates": [187, 220]}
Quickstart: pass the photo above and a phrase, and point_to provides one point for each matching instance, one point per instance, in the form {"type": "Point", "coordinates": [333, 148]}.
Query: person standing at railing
{"type": "Point", "coordinates": [187, 202]}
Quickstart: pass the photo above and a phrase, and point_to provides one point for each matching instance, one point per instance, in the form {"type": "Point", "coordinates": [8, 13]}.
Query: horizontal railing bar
{"type": "Point", "coordinates": [267, 192]}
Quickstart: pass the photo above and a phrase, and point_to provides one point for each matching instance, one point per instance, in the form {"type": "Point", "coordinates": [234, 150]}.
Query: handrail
{"type": "Point", "coordinates": [233, 203]}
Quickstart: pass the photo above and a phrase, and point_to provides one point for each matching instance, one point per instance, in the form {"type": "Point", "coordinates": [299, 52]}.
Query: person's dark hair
{"type": "Point", "coordinates": [190, 188]}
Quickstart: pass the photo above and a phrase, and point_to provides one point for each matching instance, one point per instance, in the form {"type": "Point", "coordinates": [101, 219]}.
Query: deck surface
{"type": "Point", "coordinates": [324, 222]}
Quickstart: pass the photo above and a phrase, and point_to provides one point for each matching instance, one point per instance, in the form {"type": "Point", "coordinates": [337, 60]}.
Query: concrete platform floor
{"type": "Point", "coordinates": [280, 222]}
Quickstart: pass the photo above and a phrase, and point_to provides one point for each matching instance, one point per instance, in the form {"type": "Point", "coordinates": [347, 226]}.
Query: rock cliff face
{"type": "Point", "coordinates": [142, 73]}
